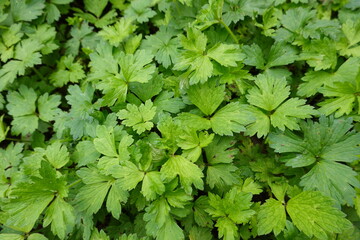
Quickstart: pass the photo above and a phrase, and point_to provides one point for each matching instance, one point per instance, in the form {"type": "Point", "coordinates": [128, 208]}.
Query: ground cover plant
{"type": "Point", "coordinates": [179, 119]}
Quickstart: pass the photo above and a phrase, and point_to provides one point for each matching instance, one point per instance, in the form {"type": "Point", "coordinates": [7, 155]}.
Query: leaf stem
{"type": "Point", "coordinates": [229, 31]}
{"type": "Point", "coordinates": [39, 74]}
{"type": "Point", "coordinates": [74, 183]}
{"type": "Point", "coordinates": [16, 139]}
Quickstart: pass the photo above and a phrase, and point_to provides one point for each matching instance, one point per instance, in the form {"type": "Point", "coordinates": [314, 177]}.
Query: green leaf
{"type": "Point", "coordinates": [261, 125]}
{"type": "Point", "coordinates": [254, 56]}
{"type": "Point", "coordinates": [147, 90]}
{"type": "Point", "coordinates": [221, 175]}
{"type": "Point", "coordinates": [140, 10]}
{"type": "Point", "coordinates": [320, 54]}
{"type": "Point", "coordinates": [164, 46]}
{"type": "Point", "coordinates": [48, 107]}
{"type": "Point", "coordinates": [139, 118]}
{"type": "Point", "coordinates": [269, 92]}
{"type": "Point", "coordinates": [279, 54]}
{"type": "Point", "coordinates": [225, 54]}
{"type": "Point", "coordinates": [95, 7]}
{"type": "Point", "coordinates": [3, 129]}
{"type": "Point", "coordinates": [227, 229]}
{"type": "Point", "coordinates": [188, 172]}
{"type": "Point", "coordinates": [351, 30]}
{"type": "Point", "coordinates": [95, 183]}
{"type": "Point", "coordinates": [117, 33]}
{"type": "Point", "coordinates": [315, 215]}
{"type": "Point", "coordinates": [152, 185]}
{"type": "Point", "coordinates": [116, 197]}
{"type": "Point", "coordinates": [197, 61]}
{"type": "Point", "coordinates": [230, 119]}
{"type": "Point", "coordinates": [332, 179]}
{"type": "Point", "coordinates": [178, 198]}
{"type": "Point", "coordinates": [271, 217]}
{"type": "Point", "coordinates": [11, 236]}
{"type": "Point", "coordinates": [105, 141]}
{"type": "Point", "coordinates": [251, 186]}
{"type": "Point", "coordinates": [207, 97]}
{"type": "Point", "coordinates": [128, 174]}
{"type": "Point", "coordinates": [114, 84]}
{"type": "Point", "coordinates": [57, 154]}
{"type": "Point", "coordinates": [67, 71]}
{"type": "Point", "coordinates": [80, 119]}
{"type": "Point", "coordinates": [166, 101]}
{"type": "Point", "coordinates": [324, 143]}
{"type": "Point", "coordinates": [233, 209]}
{"type": "Point", "coordinates": [21, 102]}
{"type": "Point", "coordinates": [21, 105]}
{"type": "Point", "coordinates": [160, 223]}
{"type": "Point", "coordinates": [289, 112]}
{"type": "Point", "coordinates": [85, 153]}
{"type": "Point", "coordinates": [26, 10]}
{"type": "Point", "coordinates": [29, 199]}
{"type": "Point", "coordinates": [61, 216]}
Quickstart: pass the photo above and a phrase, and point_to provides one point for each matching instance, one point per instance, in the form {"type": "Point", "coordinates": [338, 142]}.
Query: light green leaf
{"type": "Point", "coordinates": [254, 56]}
{"type": "Point", "coordinates": [48, 107]}
{"type": "Point", "coordinates": [29, 199]}
{"type": "Point", "coordinates": [11, 236]}
{"type": "Point", "coordinates": [139, 118]}
{"type": "Point", "coordinates": [225, 54]}
{"type": "Point", "coordinates": [61, 216]}
{"type": "Point", "coordinates": [128, 175]}
{"type": "Point", "coordinates": [117, 196]}
{"type": "Point", "coordinates": [188, 172]}
{"type": "Point", "coordinates": [21, 102]}
{"type": "Point", "coordinates": [271, 217]}
{"type": "Point", "coordinates": [227, 229]}
{"type": "Point", "coordinates": [94, 183]}
{"type": "Point", "coordinates": [152, 185]}
{"type": "Point", "coordinates": [57, 154]}
{"type": "Point", "coordinates": [281, 54]}
{"type": "Point", "coordinates": [314, 214]}
{"type": "Point", "coordinates": [105, 141]}
{"type": "Point", "coordinates": [26, 10]}
{"type": "Point", "coordinates": [37, 236]}
{"type": "Point", "coordinates": [221, 175]}
{"type": "Point", "coordinates": [24, 124]}
{"type": "Point", "coordinates": [85, 153]}
{"type": "Point", "coordinates": [67, 71]}
{"type": "Point", "coordinates": [118, 32]}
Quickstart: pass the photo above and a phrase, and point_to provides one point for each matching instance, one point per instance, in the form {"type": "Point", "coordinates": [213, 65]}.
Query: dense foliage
{"type": "Point", "coordinates": [179, 119]}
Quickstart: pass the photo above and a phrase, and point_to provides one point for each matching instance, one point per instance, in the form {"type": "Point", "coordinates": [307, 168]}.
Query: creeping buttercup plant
{"type": "Point", "coordinates": [179, 119]}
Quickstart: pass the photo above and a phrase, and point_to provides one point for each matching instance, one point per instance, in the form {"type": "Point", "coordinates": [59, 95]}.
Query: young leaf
{"type": "Point", "coordinates": [139, 118]}
{"type": "Point", "coordinates": [197, 62]}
